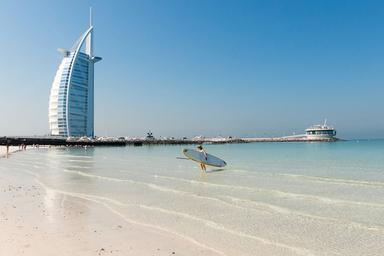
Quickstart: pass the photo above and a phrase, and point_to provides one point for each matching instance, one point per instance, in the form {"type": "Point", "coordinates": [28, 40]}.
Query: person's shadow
{"type": "Point", "coordinates": [214, 170]}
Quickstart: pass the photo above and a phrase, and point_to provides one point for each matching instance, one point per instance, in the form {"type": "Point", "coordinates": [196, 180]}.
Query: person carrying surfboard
{"type": "Point", "coordinates": [203, 158]}
{"type": "Point", "coordinates": [201, 149]}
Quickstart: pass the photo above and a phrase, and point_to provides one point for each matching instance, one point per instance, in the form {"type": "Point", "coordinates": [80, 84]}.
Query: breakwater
{"type": "Point", "coordinates": [52, 141]}
{"type": "Point", "coordinates": [62, 141]}
{"type": "Point", "coordinates": [290, 139]}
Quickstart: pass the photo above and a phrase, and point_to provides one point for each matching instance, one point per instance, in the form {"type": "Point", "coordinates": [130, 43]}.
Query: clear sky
{"type": "Point", "coordinates": [183, 67]}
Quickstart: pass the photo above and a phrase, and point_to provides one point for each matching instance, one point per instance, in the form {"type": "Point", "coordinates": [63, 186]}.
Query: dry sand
{"type": "Point", "coordinates": [38, 221]}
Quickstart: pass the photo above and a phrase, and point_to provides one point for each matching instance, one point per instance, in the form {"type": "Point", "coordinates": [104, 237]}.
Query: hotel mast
{"type": "Point", "coordinates": [71, 102]}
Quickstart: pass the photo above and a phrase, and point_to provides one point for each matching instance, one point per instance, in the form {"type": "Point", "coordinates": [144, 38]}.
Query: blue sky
{"type": "Point", "coordinates": [179, 67]}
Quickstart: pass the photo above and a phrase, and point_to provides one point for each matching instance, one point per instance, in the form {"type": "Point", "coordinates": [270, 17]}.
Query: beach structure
{"type": "Point", "coordinates": [71, 102]}
{"type": "Point", "coordinates": [321, 131]}
{"type": "Point", "coordinates": [149, 136]}
{"type": "Point", "coordinates": [318, 132]}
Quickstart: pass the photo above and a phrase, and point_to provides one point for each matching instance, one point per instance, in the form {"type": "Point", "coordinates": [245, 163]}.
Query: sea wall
{"type": "Point", "coordinates": [60, 141]}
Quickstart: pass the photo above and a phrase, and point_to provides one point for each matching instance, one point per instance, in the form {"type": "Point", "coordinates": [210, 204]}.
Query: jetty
{"type": "Point", "coordinates": [110, 141]}
{"type": "Point", "coordinates": [122, 141]}
{"type": "Point", "coordinates": [316, 133]}
{"type": "Point", "coordinates": [290, 139]}
{"type": "Point", "coordinates": [55, 141]}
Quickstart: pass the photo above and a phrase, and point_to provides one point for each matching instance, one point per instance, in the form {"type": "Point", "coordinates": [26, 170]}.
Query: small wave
{"type": "Point", "coordinates": [149, 185]}
{"type": "Point", "coordinates": [209, 223]}
{"type": "Point", "coordinates": [187, 238]}
{"type": "Point", "coordinates": [338, 181]}
{"type": "Point", "coordinates": [165, 189]}
{"type": "Point", "coordinates": [60, 155]}
{"type": "Point", "coordinates": [4, 155]}
{"type": "Point", "coordinates": [40, 166]}
{"type": "Point", "coordinates": [78, 167]}
{"type": "Point", "coordinates": [22, 164]}
{"type": "Point", "coordinates": [260, 205]}
{"type": "Point", "coordinates": [218, 226]}
{"type": "Point", "coordinates": [278, 193]}
{"type": "Point", "coordinates": [335, 180]}
{"type": "Point", "coordinates": [97, 199]}
{"type": "Point", "coordinates": [79, 161]}
{"type": "Point", "coordinates": [96, 176]}
{"type": "Point", "coordinates": [283, 210]}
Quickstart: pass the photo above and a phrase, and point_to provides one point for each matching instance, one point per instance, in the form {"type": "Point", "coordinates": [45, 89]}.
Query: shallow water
{"type": "Point", "coordinates": [271, 199]}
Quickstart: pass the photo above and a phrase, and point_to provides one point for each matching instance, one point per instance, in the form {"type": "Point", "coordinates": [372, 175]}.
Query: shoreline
{"type": "Point", "coordinates": [99, 202]}
{"type": "Point", "coordinates": [37, 220]}
{"type": "Point", "coordinates": [12, 150]}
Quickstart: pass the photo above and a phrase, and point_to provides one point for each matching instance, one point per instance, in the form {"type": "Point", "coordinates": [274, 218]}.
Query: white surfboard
{"type": "Point", "coordinates": [200, 157]}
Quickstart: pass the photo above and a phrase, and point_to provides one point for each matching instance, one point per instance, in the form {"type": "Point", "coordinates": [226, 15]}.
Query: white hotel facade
{"type": "Point", "coordinates": [71, 102]}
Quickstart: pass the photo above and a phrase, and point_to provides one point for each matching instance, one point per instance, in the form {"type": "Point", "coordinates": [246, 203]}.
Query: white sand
{"type": "Point", "coordinates": [35, 221]}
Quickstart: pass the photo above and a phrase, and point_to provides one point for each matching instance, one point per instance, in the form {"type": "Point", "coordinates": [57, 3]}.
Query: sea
{"type": "Point", "coordinates": [293, 198]}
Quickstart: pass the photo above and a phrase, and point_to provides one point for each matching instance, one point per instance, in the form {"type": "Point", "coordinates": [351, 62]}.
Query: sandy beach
{"type": "Point", "coordinates": [35, 220]}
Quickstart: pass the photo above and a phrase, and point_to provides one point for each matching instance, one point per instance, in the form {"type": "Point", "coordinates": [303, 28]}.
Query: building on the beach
{"type": "Point", "coordinates": [320, 131]}
{"type": "Point", "coordinates": [71, 102]}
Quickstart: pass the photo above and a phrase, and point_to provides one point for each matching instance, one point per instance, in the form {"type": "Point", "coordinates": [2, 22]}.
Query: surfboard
{"type": "Point", "coordinates": [198, 156]}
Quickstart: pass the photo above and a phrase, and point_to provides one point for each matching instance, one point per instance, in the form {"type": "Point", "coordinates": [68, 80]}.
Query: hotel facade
{"type": "Point", "coordinates": [71, 101]}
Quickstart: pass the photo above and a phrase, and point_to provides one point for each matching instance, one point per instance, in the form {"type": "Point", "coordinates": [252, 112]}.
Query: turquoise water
{"type": "Point", "coordinates": [271, 199]}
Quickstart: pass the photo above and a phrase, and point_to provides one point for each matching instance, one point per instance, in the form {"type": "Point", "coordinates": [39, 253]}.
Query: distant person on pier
{"type": "Point", "coordinates": [201, 149]}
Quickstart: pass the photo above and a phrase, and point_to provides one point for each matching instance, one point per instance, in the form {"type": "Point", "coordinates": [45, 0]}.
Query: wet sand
{"type": "Point", "coordinates": [37, 221]}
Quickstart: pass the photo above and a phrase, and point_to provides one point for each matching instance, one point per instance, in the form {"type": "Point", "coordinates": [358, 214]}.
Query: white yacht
{"type": "Point", "coordinates": [321, 132]}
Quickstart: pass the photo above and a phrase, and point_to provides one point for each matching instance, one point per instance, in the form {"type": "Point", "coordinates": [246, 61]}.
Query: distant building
{"type": "Point", "coordinates": [71, 102]}
{"type": "Point", "coordinates": [321, 131]}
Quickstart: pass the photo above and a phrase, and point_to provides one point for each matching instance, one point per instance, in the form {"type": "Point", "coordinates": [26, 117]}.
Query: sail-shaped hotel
{"type": "Point", "coordinates": [71, 102]}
